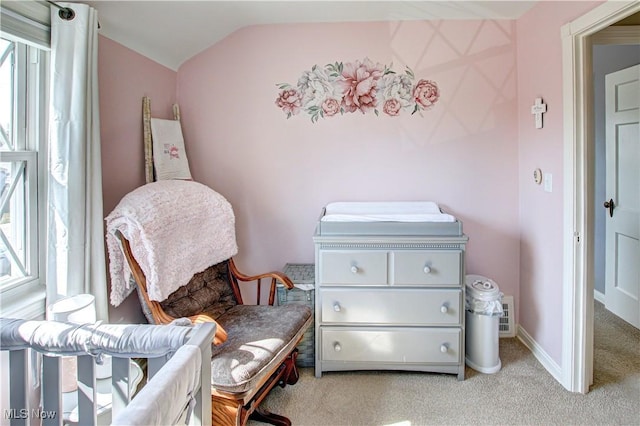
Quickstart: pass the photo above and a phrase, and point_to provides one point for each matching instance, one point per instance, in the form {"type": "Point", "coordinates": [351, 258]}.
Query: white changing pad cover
{"type": "Point", "coordinates": [385, 211]}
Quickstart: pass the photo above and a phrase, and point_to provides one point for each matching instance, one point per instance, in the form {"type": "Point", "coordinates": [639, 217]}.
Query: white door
{"type": "Point", "coordinates": [622, 270]}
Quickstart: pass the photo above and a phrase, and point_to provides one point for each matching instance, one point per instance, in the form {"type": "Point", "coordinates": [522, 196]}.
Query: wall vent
{"type": "Point", "coordinates": [507, 323]}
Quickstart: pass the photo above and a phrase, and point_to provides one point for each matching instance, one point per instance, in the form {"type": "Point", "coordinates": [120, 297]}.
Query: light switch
{"type": "Point", "coordinates": [547, 180]}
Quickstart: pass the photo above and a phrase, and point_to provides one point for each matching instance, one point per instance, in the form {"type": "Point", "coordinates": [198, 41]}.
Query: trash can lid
{"type": "Point", "coordinates": [480, 287]}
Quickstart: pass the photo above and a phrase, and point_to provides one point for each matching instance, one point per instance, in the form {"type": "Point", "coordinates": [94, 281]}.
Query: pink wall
{"type": "Point", "coordinates": [124, 78]}
{"type": "Point", "coordinates": [474, 152]}
{"type": "Point", "coordinates": [278, 172]}
{"type": "Point", "coordinates": [539, 61]}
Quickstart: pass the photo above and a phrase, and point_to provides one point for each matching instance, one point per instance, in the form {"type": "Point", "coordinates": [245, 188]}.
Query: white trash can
{"type": "Point", "coordinates": [483, 309]}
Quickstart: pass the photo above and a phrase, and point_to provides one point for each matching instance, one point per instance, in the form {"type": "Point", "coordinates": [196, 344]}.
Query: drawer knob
{"type": "Point", "coordinates": [444, 309]}
{"type": "Point", "coordinates": [337, 347]}
{"type": "Point", "coordinates": [427, 270]}
{"type": "Point", "coordinates": [443, 349]}
{"type": "Point", "coordinates": [354, 269]}
{"type": "Point", "coordinates": [336, 307]}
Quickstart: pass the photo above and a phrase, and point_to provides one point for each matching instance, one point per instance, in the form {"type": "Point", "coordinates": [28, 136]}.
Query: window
{"type": "Point", "coordinates": [23, 108]}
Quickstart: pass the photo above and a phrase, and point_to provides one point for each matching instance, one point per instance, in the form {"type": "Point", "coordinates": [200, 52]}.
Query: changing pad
{"type": "Point", "coordinates": [410, 218]}
{"type": "Point", "coordinates": [392, 211]}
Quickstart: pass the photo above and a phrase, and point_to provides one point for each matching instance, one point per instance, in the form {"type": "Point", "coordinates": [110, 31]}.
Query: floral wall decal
{"type": "Point", "coordinates": [356, 86]}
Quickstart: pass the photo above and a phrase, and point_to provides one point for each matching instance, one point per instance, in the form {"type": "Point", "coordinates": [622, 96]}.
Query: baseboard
{"type": "Point", "coordinates": [547, 362]}
{"type": "Point", "coordinates": [598, 296]}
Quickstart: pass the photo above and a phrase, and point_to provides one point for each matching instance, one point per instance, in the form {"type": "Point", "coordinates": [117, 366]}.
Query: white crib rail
{"type": "Point", "coordinates": [122, 342]}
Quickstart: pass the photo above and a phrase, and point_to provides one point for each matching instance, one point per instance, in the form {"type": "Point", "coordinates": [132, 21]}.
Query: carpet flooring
{"type": "Point", "coordinates": [521, 393]}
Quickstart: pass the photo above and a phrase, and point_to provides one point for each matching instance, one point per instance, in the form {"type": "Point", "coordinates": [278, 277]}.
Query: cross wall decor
{"type": "Point", "coordinates": [537, 109]}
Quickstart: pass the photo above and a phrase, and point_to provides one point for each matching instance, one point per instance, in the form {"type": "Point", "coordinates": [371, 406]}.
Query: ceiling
{"type": "Point", "coordinates": [171, 32]}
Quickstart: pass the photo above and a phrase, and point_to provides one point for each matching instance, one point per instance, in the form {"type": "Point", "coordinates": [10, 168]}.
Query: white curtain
{"type": "Point", "coordinates": [75, 248]}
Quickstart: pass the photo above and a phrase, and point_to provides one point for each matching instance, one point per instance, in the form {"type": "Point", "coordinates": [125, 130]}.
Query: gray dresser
{"type": "Point", "coordinates": [390, 297]}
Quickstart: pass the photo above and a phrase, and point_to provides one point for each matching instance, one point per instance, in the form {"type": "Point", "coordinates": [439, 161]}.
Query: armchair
{"type": "Point", "coordinates": [255, 345]}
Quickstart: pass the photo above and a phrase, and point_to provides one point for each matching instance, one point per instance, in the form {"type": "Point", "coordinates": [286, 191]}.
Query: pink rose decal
{"type": "Point", "coordinates": [173, 152]}
{"type": "Point", "coordinates": [365, 86]}
{"type": "Point", "coordinates": [392, 107]}
{"type": "Point", "coordinates": [330, 107]}
{"type": "Point", "coordinates": [289, 101]}
{"type": "Point", "coordinates": [359, 85]}
{"type": "Point", "coordinates": [426, 93]}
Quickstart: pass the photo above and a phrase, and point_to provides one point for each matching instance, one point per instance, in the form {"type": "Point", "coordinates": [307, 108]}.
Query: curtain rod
{"type": "Point", "coordinates": [65, 13]}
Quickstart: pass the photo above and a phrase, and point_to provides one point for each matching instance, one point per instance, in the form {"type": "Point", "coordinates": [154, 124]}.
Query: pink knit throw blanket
{"type": "Point", "coordinates": [175, 229]}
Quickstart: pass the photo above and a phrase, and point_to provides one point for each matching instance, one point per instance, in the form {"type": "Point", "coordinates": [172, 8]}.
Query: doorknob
{"type": "Point", "coordinates": [609, 205]}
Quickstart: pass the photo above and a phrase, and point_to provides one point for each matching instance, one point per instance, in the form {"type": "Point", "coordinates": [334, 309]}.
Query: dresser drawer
{"type": "Point", "coordinates": [441, 268]}
{"type": "Point", "coordinates": [391, 306]}
{"type": "Point", "coordinates": [391, 345]}
{"type": "Point", "coordinates": [353, 267]}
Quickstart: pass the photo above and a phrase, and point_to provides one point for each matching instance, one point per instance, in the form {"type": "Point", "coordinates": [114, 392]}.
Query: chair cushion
{"type": "Point", "coordinates": [260, 338]}
{"type": "Point", "coordinates": [208, 292]}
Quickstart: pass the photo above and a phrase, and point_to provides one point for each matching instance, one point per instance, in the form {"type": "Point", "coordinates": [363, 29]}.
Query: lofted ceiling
{"type": "Point", "coordinates": [171, 32]}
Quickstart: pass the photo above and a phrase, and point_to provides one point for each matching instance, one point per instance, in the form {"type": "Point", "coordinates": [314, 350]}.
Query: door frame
{"type": "Point", "coordinates": [578, 247]}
